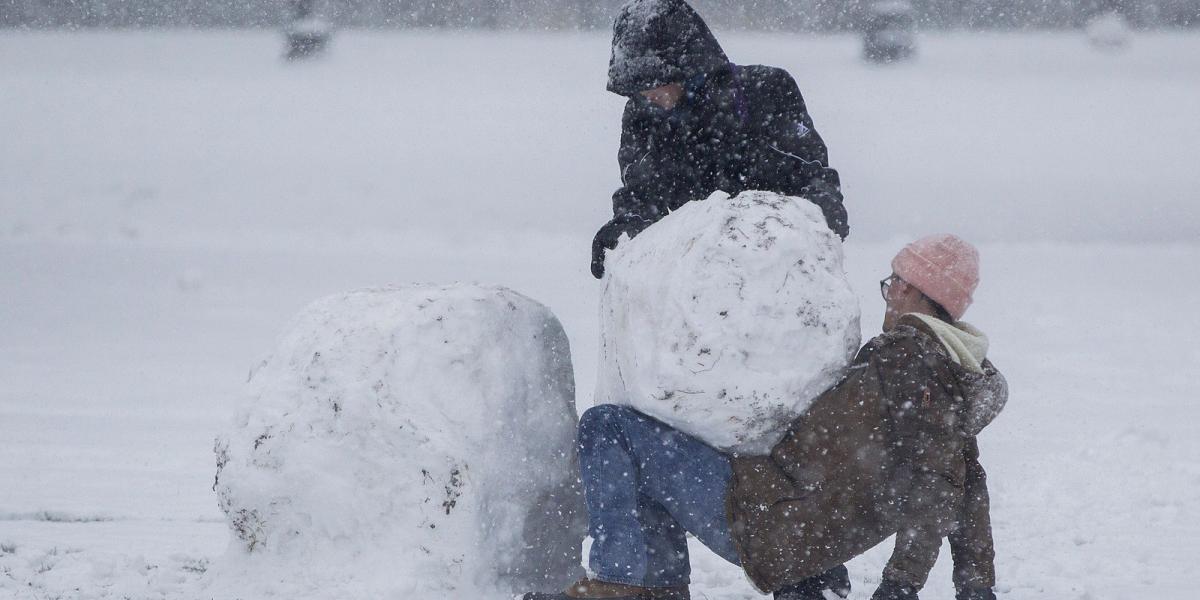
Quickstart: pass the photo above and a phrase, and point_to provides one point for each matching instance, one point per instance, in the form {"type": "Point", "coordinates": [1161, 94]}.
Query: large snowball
{"type": "Point", "coordinates": [414, 442]}
{"type": "Point", "coordinates": [727, 318]}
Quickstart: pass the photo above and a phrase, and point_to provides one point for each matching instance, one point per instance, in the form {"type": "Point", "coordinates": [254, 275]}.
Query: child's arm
{"type": "Point", "coordinates": [971, 541]}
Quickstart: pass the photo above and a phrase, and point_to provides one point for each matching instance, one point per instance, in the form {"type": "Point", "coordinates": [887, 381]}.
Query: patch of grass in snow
{"type": "Point", "coordinates": [46, 562]}
{"type": "Point", "coordinates": [54, 516]}
{"type": "Point", "coordinates": [198, 566]}
{"type": "Point", "coordinates": [8, 548]}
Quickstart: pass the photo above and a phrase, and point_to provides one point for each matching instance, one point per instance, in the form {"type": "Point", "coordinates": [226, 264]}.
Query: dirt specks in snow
{"type": "Point", "coordinates": [453, 489]}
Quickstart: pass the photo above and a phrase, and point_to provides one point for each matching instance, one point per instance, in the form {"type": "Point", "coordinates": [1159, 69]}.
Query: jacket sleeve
{"type": "Point", "coordinates": [933, 448]}
{"type": "Point", "coordinates": [796, 158]}
{"type": "Point", "coordinates": [971, 543]}
{"type": "Point", "coordinates": [987, 393]}
{"type": "Point", "coordinates": [637, 196]}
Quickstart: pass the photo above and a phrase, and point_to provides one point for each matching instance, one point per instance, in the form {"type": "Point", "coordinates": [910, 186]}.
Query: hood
{"type": "Point", "coordinates": [966, 345]}
{"type": "Point", "coordinates": [982, 386]}
{"type": "Point", "coordinates": [656, 42]}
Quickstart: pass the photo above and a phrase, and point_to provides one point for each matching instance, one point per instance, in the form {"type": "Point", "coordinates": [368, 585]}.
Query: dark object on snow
{"type": "Point", "coordinates": [307, 34]}
{"type": "Point", "coordinates": [887, 450]}
{"type": "Point", "coordinates": [1108, 31]}
{"type": "Point", "coordinates": [889, 33]}
{"type": "Point", "coordinates": [306, 42]}
{"type": "Point", "coordinates": [836, 580]}
{"type": "Point", "coordinates": [737, 128]}
{"type": "Point", "coordinates": [891, 590]}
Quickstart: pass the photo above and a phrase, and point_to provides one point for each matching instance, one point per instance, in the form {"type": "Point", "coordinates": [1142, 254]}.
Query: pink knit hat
{"type": "Point", "coordinates": [944, 267]}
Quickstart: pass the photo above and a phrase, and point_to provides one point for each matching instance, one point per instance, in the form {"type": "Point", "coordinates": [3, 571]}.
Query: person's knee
{"type": "Point", "coordinates": [601, 421]}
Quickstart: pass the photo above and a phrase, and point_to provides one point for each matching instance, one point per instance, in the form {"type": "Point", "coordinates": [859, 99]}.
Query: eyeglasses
{"type": "Point", "coordinates": [886, 283]}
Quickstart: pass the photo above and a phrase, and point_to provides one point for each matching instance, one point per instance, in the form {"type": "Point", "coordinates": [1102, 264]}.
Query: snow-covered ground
{"type": "Point", "coordinates": [169, 200]}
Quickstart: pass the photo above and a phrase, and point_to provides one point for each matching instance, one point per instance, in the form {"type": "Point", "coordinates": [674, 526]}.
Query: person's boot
{"type": "Point", "coordinates": [679, 592]}
{"type": "Point", "coordinates": [893, 590]}
{"type": "Point", "coordinates": [593, 588]}
{"type": "Point", "coordinates": [836, 580]}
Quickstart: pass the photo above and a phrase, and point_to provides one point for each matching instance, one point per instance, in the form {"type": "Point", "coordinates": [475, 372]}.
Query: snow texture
{"type": "Point", "coordinates": [408, 440]}
{"type": "Point", "coordinates": [624, 57]}
{"type": "Point", "coordinates": [727, 318]}
{"type": "Point", "coordinates": [176, 196]}
{"type": "Point", "coordinates": [643, 11]}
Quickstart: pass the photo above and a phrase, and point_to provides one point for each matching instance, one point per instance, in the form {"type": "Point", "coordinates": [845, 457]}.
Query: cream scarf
{"type": "Point", "coordinates": [965, 344]}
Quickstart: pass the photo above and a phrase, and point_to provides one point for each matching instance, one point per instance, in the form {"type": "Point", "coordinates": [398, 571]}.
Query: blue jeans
{"type": "Point", "coordinates": [646, 484]}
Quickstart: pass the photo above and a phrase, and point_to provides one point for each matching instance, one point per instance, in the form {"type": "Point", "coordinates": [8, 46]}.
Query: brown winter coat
{"type": "Point", "coordinates": [890, 449]}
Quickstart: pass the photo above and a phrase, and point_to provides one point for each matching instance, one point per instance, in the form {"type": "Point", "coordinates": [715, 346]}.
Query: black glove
{"type": "Point", "coordinates": [891, 590]}
{"type": "Point", "coordinates": [970, 593]}
{"type": "Point", "coordinates": [827, 197]}
{"type": "Point", "coordinates": [836, 580]}
{"type": "Point", "coordinates": [837, 219]}
{"type": "Point", "coordinates": [606, 238]}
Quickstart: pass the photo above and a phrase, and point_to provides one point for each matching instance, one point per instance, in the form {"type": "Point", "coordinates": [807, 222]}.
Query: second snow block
{"type": "Point", "coordinates": [727, 318]}
{"type": "Point", "coordinates": [413, 441]}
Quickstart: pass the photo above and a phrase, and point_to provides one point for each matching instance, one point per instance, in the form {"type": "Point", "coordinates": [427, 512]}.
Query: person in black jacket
{"type": "Point", "coordinates": [696, 123]}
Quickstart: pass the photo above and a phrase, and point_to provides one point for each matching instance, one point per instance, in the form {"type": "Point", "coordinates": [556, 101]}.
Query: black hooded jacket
{"type": "Point", "coordinates": [738, 127]}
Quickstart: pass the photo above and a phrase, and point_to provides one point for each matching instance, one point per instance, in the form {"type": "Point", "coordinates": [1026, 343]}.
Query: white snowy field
{"type": "Point", "coordinates": [168, 200]}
